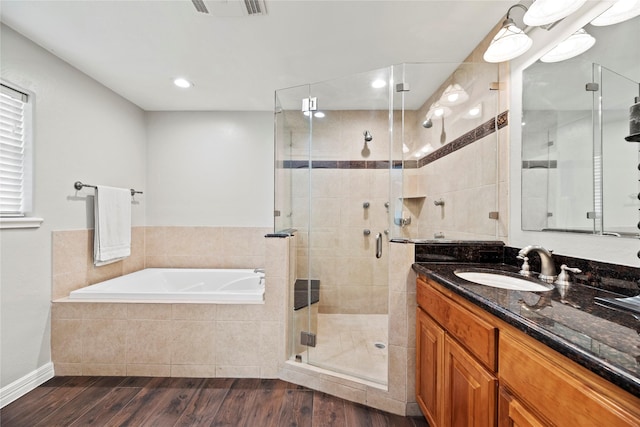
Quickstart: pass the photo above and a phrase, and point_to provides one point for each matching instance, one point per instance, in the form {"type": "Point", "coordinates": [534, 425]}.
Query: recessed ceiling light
{"type": "Point", "coordinates": [379, 83]}
{"type": "Point", "coordinates": [182, 83]}
{"type": "Point", "coordinates": [318, 114]}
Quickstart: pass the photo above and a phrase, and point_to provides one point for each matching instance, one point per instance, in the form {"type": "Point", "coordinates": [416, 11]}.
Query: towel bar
{"type": "Point", "coordinates": [78, 186]}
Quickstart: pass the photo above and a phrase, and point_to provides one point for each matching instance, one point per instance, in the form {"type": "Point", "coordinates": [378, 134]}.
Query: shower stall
{"type": "Point", "coordinates": [346, 165]}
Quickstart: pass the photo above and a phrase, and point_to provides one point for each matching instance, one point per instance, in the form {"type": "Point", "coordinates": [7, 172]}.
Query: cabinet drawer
{"type": "Point", "coordinates": [478, 336]}
{"type": "Point", "coordinates": [557, 391]}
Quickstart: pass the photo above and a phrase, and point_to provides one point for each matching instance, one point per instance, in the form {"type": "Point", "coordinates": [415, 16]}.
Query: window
{"type": "Point", "coordinates": [15, 157]}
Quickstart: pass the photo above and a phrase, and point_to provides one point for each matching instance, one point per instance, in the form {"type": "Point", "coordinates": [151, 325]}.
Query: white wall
{"type": "Point", "coordinates": [210, 169]}
{"type": "Point", "coordinates": [83, 131]}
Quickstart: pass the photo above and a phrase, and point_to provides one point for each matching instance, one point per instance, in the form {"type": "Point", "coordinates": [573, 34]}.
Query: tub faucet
{"type": "Point", "coordinates": [258, 270]}
{"type": "Point", "coordinates": [548, 269]}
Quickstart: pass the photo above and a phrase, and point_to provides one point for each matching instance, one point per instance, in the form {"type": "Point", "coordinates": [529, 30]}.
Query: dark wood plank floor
{"type": "Point", "coordinates": [166, 402]}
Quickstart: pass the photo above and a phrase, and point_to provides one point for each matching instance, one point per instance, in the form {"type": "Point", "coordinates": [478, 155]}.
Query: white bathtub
{"type": "Point", "coordinates": [223, 286]}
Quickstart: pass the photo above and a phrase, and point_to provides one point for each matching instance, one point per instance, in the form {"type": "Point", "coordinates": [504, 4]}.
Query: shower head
{"type": "Point", "coordinates": [367, 136]}
{"type": "Point", "coordinates": [427, 123]}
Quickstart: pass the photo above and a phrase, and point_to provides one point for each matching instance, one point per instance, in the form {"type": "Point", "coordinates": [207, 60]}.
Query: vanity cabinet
{"type": "Point", "coordinates": [546, 386]}
{"type": "Point", "coordinates": [513, 414]}
{"type": "Point", "coordinates": [473, 369]}
{"type": "Point", "coordinates": [430, 352]}
{"type": "Point", "coordinates": [455, 348]}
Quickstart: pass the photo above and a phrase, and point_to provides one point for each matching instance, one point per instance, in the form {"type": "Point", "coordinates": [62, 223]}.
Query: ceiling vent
{"type": "Point", "coordinates": [200, 6]}
{"type": "Point", "coordinates": [255, 7]}
{"type": "Point", "coordinates": [231, 8]}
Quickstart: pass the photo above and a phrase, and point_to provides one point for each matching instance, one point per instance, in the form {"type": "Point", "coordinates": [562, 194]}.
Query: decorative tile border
{"type": "Point", "coordinates": [341, 164]}
{"type": "Point", "coordinates": [485, 129]}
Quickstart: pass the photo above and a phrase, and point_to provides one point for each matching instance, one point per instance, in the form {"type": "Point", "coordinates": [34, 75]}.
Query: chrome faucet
{"type": "Point", "coordinates": [548, 269]}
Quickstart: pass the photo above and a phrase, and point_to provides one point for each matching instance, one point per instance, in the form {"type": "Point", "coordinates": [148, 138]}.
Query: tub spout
{"type": "Point", "coordinates": [258, 270]}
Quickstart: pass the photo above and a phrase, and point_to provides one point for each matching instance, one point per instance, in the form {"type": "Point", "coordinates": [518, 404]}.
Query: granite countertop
{"type": "Point", "coordinates": [601, 338]}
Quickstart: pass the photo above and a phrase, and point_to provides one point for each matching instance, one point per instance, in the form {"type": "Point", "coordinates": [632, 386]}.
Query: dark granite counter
{"type": "Point", "coordinates": [603, 339]}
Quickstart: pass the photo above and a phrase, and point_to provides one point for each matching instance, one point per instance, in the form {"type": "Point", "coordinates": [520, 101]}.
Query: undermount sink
{"type": "Point", "coordinates": [503, 280]}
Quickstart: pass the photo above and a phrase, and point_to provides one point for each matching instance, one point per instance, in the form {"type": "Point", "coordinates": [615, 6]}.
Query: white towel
{"type": "Point", "coordinates": [112, 233]}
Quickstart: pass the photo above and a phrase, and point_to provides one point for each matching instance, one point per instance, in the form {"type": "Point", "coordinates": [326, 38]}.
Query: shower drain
{"type": "Point", "coordinates": [379, 345]}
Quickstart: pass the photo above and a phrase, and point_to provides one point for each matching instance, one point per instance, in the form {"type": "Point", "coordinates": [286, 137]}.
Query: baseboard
{"type": "Point", "coordinates": [24, 385]}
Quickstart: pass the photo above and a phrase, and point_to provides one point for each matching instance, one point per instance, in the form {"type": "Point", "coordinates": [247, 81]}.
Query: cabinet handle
{"type": "Point", "coordinates": [379, 245]}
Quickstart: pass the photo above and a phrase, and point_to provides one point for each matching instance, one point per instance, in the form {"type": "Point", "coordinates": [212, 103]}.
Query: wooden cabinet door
{"type": "Point", "coordinates": [511, 413]}
{"type": "Point", "coordinates": [470, 391]}
{"type": "Point", "coordinates": [429, 352]}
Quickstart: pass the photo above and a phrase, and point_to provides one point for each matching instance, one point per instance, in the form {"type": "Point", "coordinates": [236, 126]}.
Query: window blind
{"type": "Point", "coordinates": [12, 151]}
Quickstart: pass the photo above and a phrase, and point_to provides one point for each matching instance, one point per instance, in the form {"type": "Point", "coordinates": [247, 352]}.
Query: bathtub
{"type": "Point", "coordinates": [223, 286]}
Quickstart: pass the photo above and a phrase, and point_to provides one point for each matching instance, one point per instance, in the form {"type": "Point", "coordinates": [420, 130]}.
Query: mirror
{"type": "Point", "coordinates": [579, 174]}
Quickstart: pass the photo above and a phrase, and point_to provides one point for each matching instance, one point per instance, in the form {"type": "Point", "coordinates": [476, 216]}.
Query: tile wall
{"type": "Point", "coordinates": [200, 340]}
{"type": "Point", "coordinates": [352, 279]}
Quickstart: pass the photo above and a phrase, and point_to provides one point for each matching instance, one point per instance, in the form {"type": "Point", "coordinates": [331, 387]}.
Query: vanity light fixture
{"type": "Point", "coordinates": [426, 149]}
{"type": "Point", "coordinates": [544, 12]}
{"type": "Point", "coordinates": [621, 10]}
{"type": "Point", "coordinates": [509, 42]}
{"type": "Point", "coordinates": [454, 94]}
{"type": "Point", "coordinates": [183, 83]}
{"type": "Point", "coordinates": [579, 42]}
{"type": "Point", "coordinates": [473, 112]}
{"type": "Point", "coordinates": [437, 110]}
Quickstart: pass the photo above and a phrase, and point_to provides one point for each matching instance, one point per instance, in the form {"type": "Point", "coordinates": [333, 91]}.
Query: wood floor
{"type": "Point", "coordinates": [166, 402]}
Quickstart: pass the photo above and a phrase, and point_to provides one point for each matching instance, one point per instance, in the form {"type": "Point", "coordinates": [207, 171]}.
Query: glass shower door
{"type": "Point", "coordinates": [343, 248]}
{"type": "Point", "coordinates": [292, 204]}
{"type": "Point", "coordinates": [616, 160]}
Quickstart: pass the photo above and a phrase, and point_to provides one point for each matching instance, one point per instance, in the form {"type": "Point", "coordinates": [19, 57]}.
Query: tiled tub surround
{"type": "Point", "coordinates": [601, 339]}
{"type": "Point", "coordinates": [153, 246]}
{"type": "Point", "coordinates": [190, 339]}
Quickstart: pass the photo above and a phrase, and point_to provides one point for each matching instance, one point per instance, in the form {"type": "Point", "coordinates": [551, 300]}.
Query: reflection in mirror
{"type": "Point", "coordinates": [579, 174]}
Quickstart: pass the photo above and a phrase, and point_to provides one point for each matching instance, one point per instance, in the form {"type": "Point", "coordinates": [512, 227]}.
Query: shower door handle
{"type": "Point", "coordinates": [379, 245]}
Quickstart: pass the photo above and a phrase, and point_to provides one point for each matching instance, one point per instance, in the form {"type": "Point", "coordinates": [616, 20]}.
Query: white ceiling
{"type": "Point", "coordinates": [137, 47]}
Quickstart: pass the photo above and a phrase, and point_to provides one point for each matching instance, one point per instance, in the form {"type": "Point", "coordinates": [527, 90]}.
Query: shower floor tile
{"type": "Point", "coordinates": [346, 343]}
